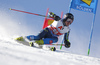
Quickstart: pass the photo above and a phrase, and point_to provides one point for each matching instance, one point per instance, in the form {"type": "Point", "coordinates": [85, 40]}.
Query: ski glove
{"type": "Point", "coordinates": [51, 14]}
{"type": "Point", "coordinates": [54, 16]}
{"type": "Point", "coordinates": [67, 43]}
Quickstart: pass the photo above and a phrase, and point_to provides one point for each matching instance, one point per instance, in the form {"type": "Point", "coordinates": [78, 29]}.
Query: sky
{"type": "Point", "coordinates": [21, 24]}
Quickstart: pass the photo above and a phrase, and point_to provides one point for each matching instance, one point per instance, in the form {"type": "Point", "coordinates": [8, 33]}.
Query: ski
{"type": "Point", "coordinates": [32, 44]}
{"type": "Point", "coordinates": [55, 44]}
{"type": "Point", "coordinates": [24, 41]}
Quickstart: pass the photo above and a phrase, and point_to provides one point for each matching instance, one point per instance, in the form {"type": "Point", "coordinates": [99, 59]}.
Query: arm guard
{"type": "Point", "coordinates": [66, 41]}
{"type": "Point", "coordinates": [66, 36]}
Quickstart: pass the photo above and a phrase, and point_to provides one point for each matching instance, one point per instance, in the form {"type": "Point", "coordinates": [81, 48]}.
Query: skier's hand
{"type": "Point", "coordinates": [51, 14]}
{"type": "Point", "coordinates": [67, 43]}
{"type": "Point", "coordinates": [54, 16]}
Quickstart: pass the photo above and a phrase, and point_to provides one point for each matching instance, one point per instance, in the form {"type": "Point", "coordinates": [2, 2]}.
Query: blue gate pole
{"type": "Point", "coordinates": [92, 27]}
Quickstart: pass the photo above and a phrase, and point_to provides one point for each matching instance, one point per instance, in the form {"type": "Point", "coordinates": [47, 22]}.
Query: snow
{"type": "Point", "coordinates": [13, 53]}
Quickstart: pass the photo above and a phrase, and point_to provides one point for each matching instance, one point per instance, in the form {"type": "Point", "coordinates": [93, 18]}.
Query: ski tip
{"type": "Point", "coordinates": [9, 8]}
{"type": "Point", "coordinates": [15, 38]}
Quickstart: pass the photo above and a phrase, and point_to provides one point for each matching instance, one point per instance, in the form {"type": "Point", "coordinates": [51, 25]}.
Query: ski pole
{"type": "Point", "coordinates": [28, 12]}
{"type": "Point", "coordinates": [61, 44]}
{"type": "Point", "coordinates": [55, 44]}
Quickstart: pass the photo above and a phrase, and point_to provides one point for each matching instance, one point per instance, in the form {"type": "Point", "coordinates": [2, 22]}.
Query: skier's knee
{"type": "Point", "coordinates": [32, 37]}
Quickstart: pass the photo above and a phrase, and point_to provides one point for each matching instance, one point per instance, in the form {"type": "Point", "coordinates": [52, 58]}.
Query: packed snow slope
{"type": "Point", "coordinates": [13, 53]}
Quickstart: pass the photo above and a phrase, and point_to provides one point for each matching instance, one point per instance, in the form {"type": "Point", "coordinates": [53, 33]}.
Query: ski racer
{"type": "Point", "coordinates": [50, 34]}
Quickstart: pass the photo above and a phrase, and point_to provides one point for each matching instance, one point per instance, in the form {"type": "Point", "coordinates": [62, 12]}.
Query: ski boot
{"type": "Point", "coordinates": [36, 43]}
{"type": "Point", "coordinates": [33, 44]}
{"type": "Point", "coordinates": [52, 48]}
{"type": "Point", "coordinates": [39, 42]}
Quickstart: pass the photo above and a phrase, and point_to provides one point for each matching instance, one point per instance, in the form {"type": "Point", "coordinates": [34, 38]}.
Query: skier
{"type": "Point", "coordinates": [50, 34]}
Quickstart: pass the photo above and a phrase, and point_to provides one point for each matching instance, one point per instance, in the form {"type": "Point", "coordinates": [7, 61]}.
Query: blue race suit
{"type": "Point", "coordinates": [45, 35]}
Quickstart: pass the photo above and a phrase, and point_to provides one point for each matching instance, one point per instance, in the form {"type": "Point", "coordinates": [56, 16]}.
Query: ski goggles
{"type": "Point", "coordinates": [69, 20]}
